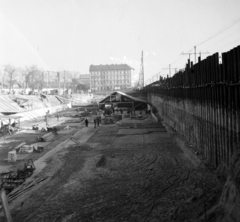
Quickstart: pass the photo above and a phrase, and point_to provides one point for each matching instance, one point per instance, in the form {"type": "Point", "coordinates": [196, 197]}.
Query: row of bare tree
{"type": "Point", "coordinates": [29, 77]}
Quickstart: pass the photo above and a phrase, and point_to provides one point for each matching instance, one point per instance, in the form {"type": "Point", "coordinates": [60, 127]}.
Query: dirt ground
{"type": "Point", "coordinates": [135, 171]}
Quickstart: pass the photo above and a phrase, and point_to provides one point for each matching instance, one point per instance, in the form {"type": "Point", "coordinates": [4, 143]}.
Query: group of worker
{"type": "Point", "coordinates": [96, 121]}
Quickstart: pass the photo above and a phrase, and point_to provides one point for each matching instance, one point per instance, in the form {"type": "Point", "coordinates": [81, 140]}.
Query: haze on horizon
{"type": "Point", "coordinates": [59, 35]}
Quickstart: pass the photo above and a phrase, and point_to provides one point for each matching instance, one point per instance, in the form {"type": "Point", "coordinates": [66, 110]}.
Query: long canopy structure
{"type": "Point", "coordinates": [9, 118]}
{"type": "Point", "coordinates": [122, 100]}
{"type": "Point", "coordinates": [7, 105]}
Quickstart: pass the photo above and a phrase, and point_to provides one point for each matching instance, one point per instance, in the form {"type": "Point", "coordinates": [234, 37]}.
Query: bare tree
{"type": "Point", "coordinates": [35, 79]}
{"type": "Point", "coordinates": [10, 71]}
{"type": "Point", "coordinates": [26, 73]}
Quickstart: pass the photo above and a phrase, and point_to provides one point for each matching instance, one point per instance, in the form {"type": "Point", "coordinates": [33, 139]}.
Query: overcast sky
{"type": "Point", "coordinates": [59, 35]}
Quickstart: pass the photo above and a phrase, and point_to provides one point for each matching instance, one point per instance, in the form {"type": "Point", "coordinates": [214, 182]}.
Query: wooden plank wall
{"type": "Point", "coordinates": [214, 87]}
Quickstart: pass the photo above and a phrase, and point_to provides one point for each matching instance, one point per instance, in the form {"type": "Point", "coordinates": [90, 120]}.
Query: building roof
{"type": "Point", "coordinates": [126, 95]}
{"type": "Point", "coordinates": [131, 97]}
{"type": "Point", "coordinates": [81, 76]}
{"type": "Point", "coordinates": [110, 67]}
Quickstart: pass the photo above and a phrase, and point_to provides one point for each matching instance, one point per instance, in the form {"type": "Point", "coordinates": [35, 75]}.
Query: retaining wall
{"type": "Point", "coordinates": [195, 122]}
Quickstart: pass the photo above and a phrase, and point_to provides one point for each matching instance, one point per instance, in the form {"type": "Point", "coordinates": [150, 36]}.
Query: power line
{"type": "Point", "coordinates": [221, 31]}
{"type": "Point", "coordinates": [223, 39]}
{"type": "Point", "coordinates": [227, 45]}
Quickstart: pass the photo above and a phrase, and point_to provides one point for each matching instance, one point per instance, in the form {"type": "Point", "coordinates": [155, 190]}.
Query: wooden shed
{"type": "Point", "coordinates": [120, 100]}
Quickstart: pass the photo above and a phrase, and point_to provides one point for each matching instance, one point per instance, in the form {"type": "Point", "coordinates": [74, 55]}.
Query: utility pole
{"type": "Point", "coordinates": [183, 53]}
{"type": "Point", "coordinates": [169, 69]}
{"type": "Point", "coordinates": [42, 81]}
{"type": "Point", "coordinates": [64, 81]}
{"type": "Point", "coordinates": [194, 53]}
{"type": "Point", "coordinates": [141, 74]}
{"type": "Point", "coordinates": [58, 75]}
{"type": "Point", "coordinates": [48, 80]}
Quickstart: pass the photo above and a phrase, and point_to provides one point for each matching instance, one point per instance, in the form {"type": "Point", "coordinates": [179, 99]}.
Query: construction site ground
{"type": "Point", "coordinates": [137, 170]}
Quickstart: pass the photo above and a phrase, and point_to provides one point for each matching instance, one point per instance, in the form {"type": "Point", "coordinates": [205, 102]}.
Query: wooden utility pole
{"type": "Point", "coordinates": [5, 206]}
{"type": "Point", "coordinates": [48, 80]}
{"type": "Point", "coordinates": [194, 53]}
{"type": "Point", "coordinates": [169, 69]}
{"type": "Point", "coordinates": [64, 82]}
{"type": "Point", "coordinates": [141, 74]}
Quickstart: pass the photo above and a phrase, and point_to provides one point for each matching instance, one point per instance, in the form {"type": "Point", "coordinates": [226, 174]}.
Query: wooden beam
{"type": "Point", "coordinates": [5, 206]}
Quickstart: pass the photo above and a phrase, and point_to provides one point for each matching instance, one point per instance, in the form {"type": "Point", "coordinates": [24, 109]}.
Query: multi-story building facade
{"type": "Point", "coordinates": [110, 77]}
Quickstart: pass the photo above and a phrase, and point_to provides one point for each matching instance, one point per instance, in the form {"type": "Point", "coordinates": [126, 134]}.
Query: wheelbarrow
{"type": "Point", "coordinates": [29, 167]}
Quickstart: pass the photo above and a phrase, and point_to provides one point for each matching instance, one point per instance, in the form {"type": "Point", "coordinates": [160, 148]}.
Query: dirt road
{"type": "Point", "coordinates": [131, 172]}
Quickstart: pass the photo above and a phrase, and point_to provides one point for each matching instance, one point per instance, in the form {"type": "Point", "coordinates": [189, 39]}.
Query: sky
{"type": "Point", "coordinates": [71, 35]}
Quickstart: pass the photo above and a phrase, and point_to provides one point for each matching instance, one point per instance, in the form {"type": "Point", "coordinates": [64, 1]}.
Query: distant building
{"type": "Point", "coordinates": [110, 77]}
{"type": "Point", "coordinates": [85, 78]}
{"type": "Point", "coordinates": [81, 84]}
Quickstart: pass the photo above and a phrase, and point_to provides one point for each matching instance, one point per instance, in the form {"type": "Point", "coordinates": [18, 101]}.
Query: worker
{"type": "Point", "coordinates": [58, 116]}
{"type": "Point", "coordinates": [86, 122]}
{"type": "Point", "coordinates": [98, 121]}
{"type": "Point", "coordinates": [14, 124]}
{"type": "Point", "coordinates": [95, 122]}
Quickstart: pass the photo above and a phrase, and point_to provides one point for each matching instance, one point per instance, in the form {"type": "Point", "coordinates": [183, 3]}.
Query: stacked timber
{"type": "Point", "coordinates": [47, 137]}
{"type": "Point", "coordinates": [108, 120]}
{"type": "Point", "coordinates": [19, 146]}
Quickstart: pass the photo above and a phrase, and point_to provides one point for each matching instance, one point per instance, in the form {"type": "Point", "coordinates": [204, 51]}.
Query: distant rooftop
{"type": "Point", "coordinates": [110, 67]}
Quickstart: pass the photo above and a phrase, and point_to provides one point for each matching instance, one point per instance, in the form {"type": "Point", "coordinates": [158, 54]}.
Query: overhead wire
{"type": "Point", "coordinates": [226, 27]}
{"type": "Point", "coordinates": [227, 45]}
{"type": "Point", "coordinates": [231, 24]}
{"type": "Point", "coordinates": [223, 39]}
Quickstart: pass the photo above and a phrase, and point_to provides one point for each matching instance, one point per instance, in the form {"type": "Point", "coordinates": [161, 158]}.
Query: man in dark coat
{"type": "Point", "coordinates": [86, 122]}
{"type": "Point", "coordinates": [98, 121]}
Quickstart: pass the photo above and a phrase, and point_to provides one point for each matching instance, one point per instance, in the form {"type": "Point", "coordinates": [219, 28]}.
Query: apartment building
{"type": "Point", "coordinates": [110, 77]}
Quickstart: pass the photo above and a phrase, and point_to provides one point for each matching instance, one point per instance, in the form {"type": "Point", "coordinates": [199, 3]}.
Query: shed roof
{"type": "Point", "coordinates": [126, 95]}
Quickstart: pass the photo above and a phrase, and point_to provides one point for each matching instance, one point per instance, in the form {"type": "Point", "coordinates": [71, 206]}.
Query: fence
{"type": "Point", "coordinates": [214, 88]}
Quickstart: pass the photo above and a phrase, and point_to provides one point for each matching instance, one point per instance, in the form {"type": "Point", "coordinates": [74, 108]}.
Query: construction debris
{"type": "Point", "coordinates": [67, 128]}
{"type": "Point", "coordinates": [108, 120]}
{"type": "Point", "coordinates": [19, 146]}
{"type": "Point", "coordinates": [47, 137]}
{"type": "Point", "coordinates": [75, 141]}
{"type": "Point", "coordinates": [26, 149]}
{"type": "Point", "coordinates": [12, 156]}
{"type": "Point", "coordinates": [52, 129]}
{"type": "Point", "coordinates": [25, 187]}
{"type": "Point", "coordinates": [11, 179]}
{"type": "Point", "coordinates": [101, 161]}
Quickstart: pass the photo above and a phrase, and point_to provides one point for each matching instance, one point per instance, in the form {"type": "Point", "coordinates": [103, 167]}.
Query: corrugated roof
{"type": "Point", "coordinates": [128, 96]}
{"type": "Point", "coordinates": [9, 106]}
{"type": "Point", "coordinates": [110, 67]}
